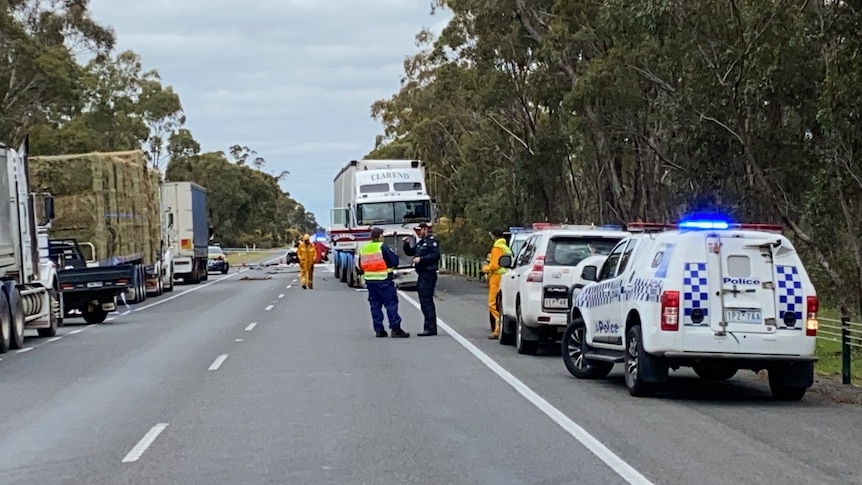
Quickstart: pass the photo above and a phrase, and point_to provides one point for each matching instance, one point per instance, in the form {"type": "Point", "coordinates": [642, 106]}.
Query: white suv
{"type": "Point", "coordinates": [714, 296]}
{"type": "Point", "coordinates": [534, 294]}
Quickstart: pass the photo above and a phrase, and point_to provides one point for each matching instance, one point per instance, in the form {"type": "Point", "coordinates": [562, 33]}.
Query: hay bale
{"type": "Point", "coordinates": [108, 199]}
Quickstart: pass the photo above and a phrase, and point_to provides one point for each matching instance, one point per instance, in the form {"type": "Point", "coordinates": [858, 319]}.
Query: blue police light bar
{"type": "Point", "coordinates": [611, 227]}
{"type": "Point", "coordinates": [703, 224]}
{"type": "Point", "coordinates": [518, 229]}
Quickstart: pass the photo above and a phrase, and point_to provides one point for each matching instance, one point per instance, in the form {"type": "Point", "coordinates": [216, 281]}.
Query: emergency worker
{"type": "Point", "coordinates": [426, 256]}
{"type": "Point", "coordinates": [495, 274]}
{"type": "Point", "coordinates": [375, 263]}
{"type": "Point", "coordinates": [307, 253]}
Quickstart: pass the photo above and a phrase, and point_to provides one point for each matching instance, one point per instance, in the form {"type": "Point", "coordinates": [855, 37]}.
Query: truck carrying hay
{"type": "Point", "coordinates": [110, 200]}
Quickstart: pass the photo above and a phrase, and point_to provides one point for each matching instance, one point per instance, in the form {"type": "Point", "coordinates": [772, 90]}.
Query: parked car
{"type": "Point", "coordinates": [216, 260]}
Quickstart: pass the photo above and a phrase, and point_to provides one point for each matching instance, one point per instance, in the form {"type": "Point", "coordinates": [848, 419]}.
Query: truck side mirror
{"type": "Point", "coordinates": [589, 273]}
{"type": "Point", "coordinates": [49, 207]}
{"type": "Point", "coordinates": [505, 261]}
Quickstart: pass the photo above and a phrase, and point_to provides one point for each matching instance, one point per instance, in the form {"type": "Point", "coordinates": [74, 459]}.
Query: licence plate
{"type": "Point", "coordinates": [556, 303]}
{"type": "Point", "coordinates": [94, 284]}
{"type": "Point", "coordinates": [743, 316]}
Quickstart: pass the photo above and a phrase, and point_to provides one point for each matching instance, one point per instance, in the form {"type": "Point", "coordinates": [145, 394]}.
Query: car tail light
{"type": "Point", "coordinates": [219, 258]}
{"type": "Point", "coordinates": [811, 323]}
{"type": "Point", "coordinates": [537, 272]}
{"type": "Point", "coordinates": [670, 311]}
{"type": "Point", "coordinates": [122, 281]}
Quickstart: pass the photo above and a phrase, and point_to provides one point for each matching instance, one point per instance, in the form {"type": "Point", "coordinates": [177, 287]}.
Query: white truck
{"type": "Point", "coordinates": [184, 205]}
{"type": "Point", "coordinates": [390, 194]}
{"type": "Point", "coordinates": [160, 276]}
{"type": "Point", "coordinates": [30, 296]}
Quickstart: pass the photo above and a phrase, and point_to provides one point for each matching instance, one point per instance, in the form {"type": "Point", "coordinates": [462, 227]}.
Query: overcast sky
{"type": "Point", "coordinates": [292, 79]}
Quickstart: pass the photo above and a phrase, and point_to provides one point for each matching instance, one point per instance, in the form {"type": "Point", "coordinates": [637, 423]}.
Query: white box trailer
{"type": "Point", "coordinates": [185, 204]}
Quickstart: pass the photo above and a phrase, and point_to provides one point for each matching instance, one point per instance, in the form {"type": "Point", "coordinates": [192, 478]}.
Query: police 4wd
{"type": "Point", "coordinates": [711, 295]}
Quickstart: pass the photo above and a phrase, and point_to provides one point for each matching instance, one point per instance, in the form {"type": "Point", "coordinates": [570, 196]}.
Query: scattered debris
{"type": "Point", "coordinates": [255, 278]}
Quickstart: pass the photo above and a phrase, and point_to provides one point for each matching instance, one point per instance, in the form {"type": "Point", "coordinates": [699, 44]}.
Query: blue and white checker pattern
{"type": "Point", "coordinates": [595, 295]}
{"type": "Point", "coordinates": [789, 294]}
{"type": "Point", "coordinates": [695, 293]}
{"type": "Point", "coordinates": [640, 289]}
{"type": "Point", "coordinates": [643, 289]}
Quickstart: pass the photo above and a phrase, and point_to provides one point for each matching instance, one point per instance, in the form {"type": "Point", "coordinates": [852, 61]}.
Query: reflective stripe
{"type": "Point", "coordinates": [501, 243]}
{"type": "Point", "coordinates": [372, 263]}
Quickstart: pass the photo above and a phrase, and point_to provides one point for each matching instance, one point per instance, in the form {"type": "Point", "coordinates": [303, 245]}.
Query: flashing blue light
{"type": "Point", "coordinates": [517, 229]}
{"type": "Point", "coordinates": [695, 224]}
{"type": "Point", "coordinates": [611, 227]}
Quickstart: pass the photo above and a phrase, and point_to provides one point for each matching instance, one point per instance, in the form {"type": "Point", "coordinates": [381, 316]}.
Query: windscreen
{"type": "Point", "coordinates": [374, 213]}
{"type": "Point", "coordinates": [571, 250]}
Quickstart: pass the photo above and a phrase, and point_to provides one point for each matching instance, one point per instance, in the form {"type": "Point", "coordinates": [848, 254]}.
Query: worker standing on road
{"type": "Point", "coordinates": [495, 274]}
{"type": "Point", "coordinates": [375, 263]}
{"type": "Point", "coordinates": [426, 256]}
{"type": "Point", "coordinates": [307, 253]}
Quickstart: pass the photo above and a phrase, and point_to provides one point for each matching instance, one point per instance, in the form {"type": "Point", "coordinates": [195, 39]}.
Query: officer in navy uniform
{"type": "Point", "coordinates": [426, 257]}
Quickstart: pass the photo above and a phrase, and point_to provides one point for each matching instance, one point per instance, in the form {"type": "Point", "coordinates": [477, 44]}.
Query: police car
{"type": "Point", "coordinates": [708, 294]}
{"type": "Point", "coordinates": [534, 294]}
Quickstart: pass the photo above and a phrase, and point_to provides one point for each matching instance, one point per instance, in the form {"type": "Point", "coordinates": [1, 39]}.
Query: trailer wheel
{"type": "Point", "coordinates": [16, 315]}
{"type": "Point", "coordinates": [5, 324]}
{"type": "Point", "coordinates": [51, 331]}
{"type": "Point", "coordinates": [96, 315]}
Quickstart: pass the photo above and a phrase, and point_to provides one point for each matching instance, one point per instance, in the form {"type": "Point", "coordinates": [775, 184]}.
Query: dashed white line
{"type": "Point", "coordinates": [218, 362]}
{"type": "Point", "coordinates": [53, 339]}
{"type": "Point", "coordinates": [281, 296]}
{"type": "Point", "coordinates": [238, 340]}
{"type": "Point", "coordinates": [145, 443]}
{"type": "Point", "coordinates": [596, 447]}
{"type": "Point", "coordinates": [289, 286]}
{"type": "Point", "coordinates": [73, 332]}
{"type": "Point", "coordinates": [26, 349]}
{"type": "Point", "coordinates": [268, 308]}
{"type": "Point", "coordinates": [250, 326]}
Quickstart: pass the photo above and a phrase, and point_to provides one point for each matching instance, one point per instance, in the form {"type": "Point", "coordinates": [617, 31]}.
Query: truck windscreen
{"type": "Point", "coordinates": [401, 212]}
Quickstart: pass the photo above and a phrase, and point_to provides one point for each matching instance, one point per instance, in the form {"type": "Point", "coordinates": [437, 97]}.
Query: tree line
{"type": "Point", "coordinates": [110, 103]}
{"type": "Point", "coordinates": [614, 111]}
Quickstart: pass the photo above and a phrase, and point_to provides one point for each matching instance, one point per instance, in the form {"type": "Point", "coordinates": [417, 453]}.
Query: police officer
{"type": "Point", "coordinates": [426, 257]}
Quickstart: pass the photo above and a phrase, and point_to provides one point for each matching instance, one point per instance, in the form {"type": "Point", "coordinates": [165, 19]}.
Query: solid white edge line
{"type": "Point", "coordinates": [145, 443]}
{"type": "Point", "coordinates": [268, 308]}
{"type": "Point", "coordinates": [218, 362]}
{"type": "Point", "coordinates": [590, 442]}
{"type": "Point", "coordinates": [53, 339]}
{"type": "Point", "coordinates": [250, 326]}
{"type": "Point", "coordinates": [73, 332]}
{"type": "Point", "coordinates": [26, 349]}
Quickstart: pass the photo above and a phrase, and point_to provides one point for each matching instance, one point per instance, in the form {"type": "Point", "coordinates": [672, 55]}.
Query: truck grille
{"type": "Point", "coordinates": [395, 244]}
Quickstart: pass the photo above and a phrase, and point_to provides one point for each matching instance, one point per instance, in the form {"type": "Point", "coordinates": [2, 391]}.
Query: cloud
{"type": "Point", "coordinates": [291, 79]}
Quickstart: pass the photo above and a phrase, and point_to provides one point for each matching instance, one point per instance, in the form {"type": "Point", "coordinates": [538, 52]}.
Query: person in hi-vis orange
{"type": "Point", "coordinates": [306, 253]}
{"type": "Point", "coordinates": [495, 274]}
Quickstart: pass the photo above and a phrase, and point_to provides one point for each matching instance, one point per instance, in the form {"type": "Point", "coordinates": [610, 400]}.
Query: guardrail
{"type": "Point", "coordinates": [465, 266]}
{"type": "Point", "coordinates": [846, 333]}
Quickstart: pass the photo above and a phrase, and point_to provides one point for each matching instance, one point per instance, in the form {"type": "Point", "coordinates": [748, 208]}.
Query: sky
{"type": "Point", "coordinates": [293, 80]}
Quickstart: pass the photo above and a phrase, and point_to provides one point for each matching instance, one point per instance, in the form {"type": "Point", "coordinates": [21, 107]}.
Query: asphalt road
{"type": "Point", "coordinates": [258, 381]}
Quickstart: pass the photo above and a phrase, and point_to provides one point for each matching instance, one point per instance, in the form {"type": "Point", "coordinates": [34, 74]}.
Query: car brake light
{"type": "Point", "coordinates": [537, 272]}
{"type": "Point", "coordinates": [670, 311]}
{"type": "Point", "coordinates": [811, 323]}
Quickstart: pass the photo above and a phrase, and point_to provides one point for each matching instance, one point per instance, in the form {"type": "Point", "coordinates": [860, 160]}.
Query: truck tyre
{"type": "Point", "coordinates": [170, 286]}
{"type": "Point", "coordinates": [5, 324]}
{"type": "Point", "coordinates": [16, 315]}
{"type": "Point", "coordinates": [96, 315]}
{"type": "Point", "coordinates": [51, 331]}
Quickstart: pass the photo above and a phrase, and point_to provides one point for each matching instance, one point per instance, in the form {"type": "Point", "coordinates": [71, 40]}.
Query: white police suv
{"type": "Point", "coordinates": [707, 294]}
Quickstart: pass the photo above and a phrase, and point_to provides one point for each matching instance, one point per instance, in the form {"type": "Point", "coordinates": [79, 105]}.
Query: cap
{"type": "Point", "coordinates": [423, 225]}
{"type": "Point", "coordinates": [376, 232]}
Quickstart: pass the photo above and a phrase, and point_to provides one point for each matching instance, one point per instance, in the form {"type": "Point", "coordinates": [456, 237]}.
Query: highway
{"type": "Point", "coordinates": [258, 381]}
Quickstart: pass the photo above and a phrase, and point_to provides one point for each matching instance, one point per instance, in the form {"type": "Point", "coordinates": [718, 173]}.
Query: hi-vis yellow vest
{"type": "Point", "coordinates": [372, 263]}
{"type": "Point", "coordinates": [501, 243]}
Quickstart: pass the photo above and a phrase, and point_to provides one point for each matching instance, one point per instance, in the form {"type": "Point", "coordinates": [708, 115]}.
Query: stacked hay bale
{"type": "Point", "coordinates": [108, 199]}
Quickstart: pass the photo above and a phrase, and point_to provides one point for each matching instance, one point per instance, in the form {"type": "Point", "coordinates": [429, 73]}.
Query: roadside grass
{"type": "Point", "coordinates": [828, 348]}
{"type": "Point", "coordinates": [246, 257]}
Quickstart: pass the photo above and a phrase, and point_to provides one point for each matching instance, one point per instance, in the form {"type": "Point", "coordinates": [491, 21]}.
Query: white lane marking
{"type": "Point", "coordinates": [73, 332]}
{"type": "Point", "coordinates": [293, 281]}
{"type": "Point", "coordinates": [238, 340]}
{"type": "Point", "coordinates": [53, 339]}
{"type": "Point", "coordinates": [281, 296]}
{"type": "Point", "coordinates": [218, 362]}
{"type": "Point", "coordinates": [27, 349]}
{"type": "Point", "coordinates": [289, 286]}
{"type": "Point", "coordinates": [145, 443]}
{"type": "Point", "coordinates": [590, 442]}
{"type": "Point", "coordinates": [250, 326]}
{"type": "Point", "coordinates": [268, 308]}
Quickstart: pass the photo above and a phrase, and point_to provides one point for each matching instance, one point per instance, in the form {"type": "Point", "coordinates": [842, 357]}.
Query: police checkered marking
{"type": "Point", "coordinates": [595, 295]}
{"type": "Point", "coordinates": [695, 293]}
{"type": "Point", "coordinates": [789, 294]}
{"type": "Point", "coordinates": [643, 289]}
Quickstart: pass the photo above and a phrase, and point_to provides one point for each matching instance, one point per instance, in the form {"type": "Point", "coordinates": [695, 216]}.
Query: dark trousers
{"type": "Point", "coordinates": [383, 294]}
{"type": "Point", "coordinates": [425, 287]}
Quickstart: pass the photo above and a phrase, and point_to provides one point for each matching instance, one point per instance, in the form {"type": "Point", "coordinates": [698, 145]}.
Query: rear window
{"type": "Point", "coordinates": [569, 251]}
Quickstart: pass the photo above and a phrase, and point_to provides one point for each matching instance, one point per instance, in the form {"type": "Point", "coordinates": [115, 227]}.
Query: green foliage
{"type": "Point", "coordinates": [112, 104]}
{"type": "Point", "coordinates": [614, 111]}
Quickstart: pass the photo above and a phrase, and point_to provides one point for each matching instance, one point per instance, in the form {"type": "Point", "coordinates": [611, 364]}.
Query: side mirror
{"type": "Point", "coordinates": [49, 207]}
{"type": "Point", "coordinates": [589, 273]}
{"type": "Point", "coordinates": [170, 219]}
{"type": "Point", "coordinates": [505, 261]}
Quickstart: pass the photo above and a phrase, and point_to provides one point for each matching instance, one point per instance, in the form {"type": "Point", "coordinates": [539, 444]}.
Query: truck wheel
{"type": "Point", "coordinates": [16, 315]}
{"type": "Point", "coordinates": [51, 331]}
{"type": "Point", "coordinates": [170, 286]}
{"type": "Point", "coordinates": [96, 315]}
{"type": "Point", "coordinates": [5, 324]}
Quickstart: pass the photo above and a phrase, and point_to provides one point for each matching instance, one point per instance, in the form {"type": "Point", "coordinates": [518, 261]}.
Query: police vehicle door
{"type": "Point", "coordinates": [606, 315]}
{"type": "Point", "coordinates": [735, 286]}
{"type": "Point", "coordinates": [510, 283]}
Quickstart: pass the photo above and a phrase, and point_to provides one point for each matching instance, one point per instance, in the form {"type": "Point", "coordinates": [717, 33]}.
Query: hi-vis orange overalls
{"type": "Point", "coordinates": [495, 274]}
{"type": "Point", "coordinates": [306, 253]}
